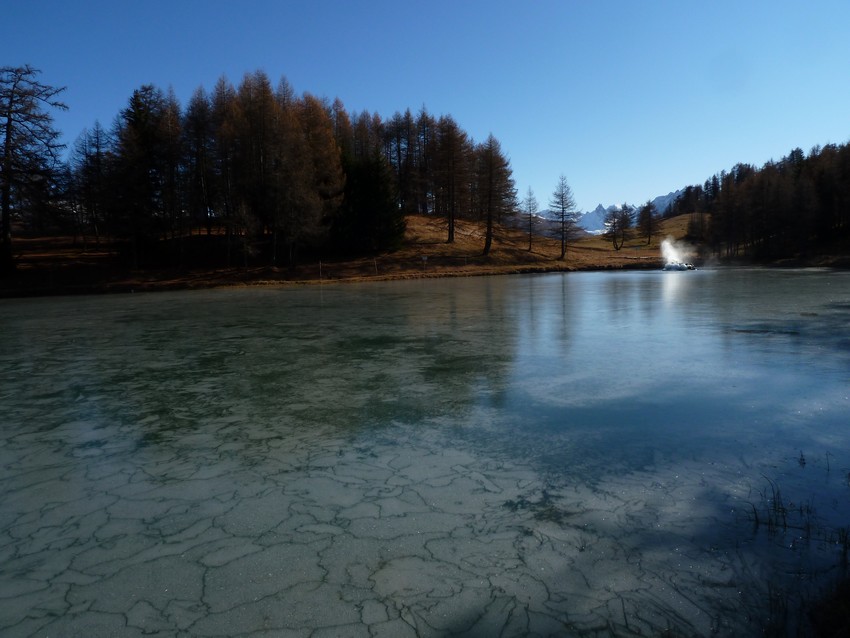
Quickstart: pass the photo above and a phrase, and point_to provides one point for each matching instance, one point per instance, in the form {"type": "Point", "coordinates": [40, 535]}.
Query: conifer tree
{"type": "Point", "coordinates": [30, 143]}
{"type": "Point", "coordinates": [452, 175]}
{"type": "Point", "coordinates": [426, 145]}
{"type": "Point", "coordinates": [618, 222]}
{"type": "Point", "coordinates": [497, 194]}
{"type": "Point", "coordinates": [199, 143]}
{"type": "Point", "coordinates": [226, 122]}
{"type": "Point", "coordinates": [562, 207]}
{"type": "Point", "coordinates": [311, 170]}
{"type": "Point", "coordinates": [529, 208]}
{"type": "Point", "coordinates": [138, 211]}
{"type": "Point", "coordinates": [89, 165]}
{"type": "Point", "coordinates": [647, 221]}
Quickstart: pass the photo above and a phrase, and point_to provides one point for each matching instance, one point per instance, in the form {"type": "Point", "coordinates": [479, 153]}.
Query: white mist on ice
{"type": "Point", "coordinates": [671, 254]}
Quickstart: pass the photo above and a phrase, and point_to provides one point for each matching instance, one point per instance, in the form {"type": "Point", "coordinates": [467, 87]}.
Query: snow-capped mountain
{"type": "Point", "coordinates": [594, 221]}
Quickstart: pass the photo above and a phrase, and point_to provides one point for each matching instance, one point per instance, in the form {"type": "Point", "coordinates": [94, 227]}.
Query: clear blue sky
{"type": "Point", "coordinates": [628, 99]}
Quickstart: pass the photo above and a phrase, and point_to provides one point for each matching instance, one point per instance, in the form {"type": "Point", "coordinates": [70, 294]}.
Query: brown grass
{"type": "Point", "coordinates": [58, 265]}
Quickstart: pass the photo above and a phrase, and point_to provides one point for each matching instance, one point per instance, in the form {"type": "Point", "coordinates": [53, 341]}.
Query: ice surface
{"type": "Point", "coordinates": [579, 455]}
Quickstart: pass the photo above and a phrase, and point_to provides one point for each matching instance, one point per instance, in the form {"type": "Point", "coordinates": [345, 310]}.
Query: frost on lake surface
{"type": "Point", "coordinates": [579, 455]}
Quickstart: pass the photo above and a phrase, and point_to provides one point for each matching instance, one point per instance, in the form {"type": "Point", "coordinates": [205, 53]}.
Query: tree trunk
{"type": "Point", "coordinates": [6, 262]}
{"type": "Point", "coordinates": [488, 240]}
{"type": "Point", "coordinates": [563, 239]}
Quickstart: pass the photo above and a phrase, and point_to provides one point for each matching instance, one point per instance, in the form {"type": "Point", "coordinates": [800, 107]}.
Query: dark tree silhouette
{"type": "Point", "coordinates": [562, 207]}
{"type": "Point", "coordinates": [452, 179]}
{"type": "Point", "coordinates": [141, 172]}
{"type": "Point", "coordinates": [529, 209]}
{"type": "Point", "coordinates": [268, 173]}
{"type": "Point", "coordinates": [789, 208]}
{"type": "Point", "coordinates": [30, 143]}
{"type": "Point", "coordinates": [618, 222]}
{"type": "Point", "coordinates": [89, 164]}
{"type": "Point", "coordinates": [370, 219]}
{"type": "Point", "coordinates": [496, 186]}
{"type": "Point", "coordinates": [647, 221]}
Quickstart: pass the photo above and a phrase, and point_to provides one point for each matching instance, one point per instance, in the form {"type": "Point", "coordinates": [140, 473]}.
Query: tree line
{"type": "Point", "coordinates": [264, 174]}
{"type": "Point", "coordinates": [267, 176]}
{"type": "Point", "coordinates": [30, 148]}
{"type": "Point", "coordinates": [783, 209]}
{"type": "Point", "coordinates": [624, 221]}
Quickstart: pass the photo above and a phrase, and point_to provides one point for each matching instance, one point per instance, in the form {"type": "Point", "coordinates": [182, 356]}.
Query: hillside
{"type": "Point", "coordinates": [56, 265]}
{"type": "Point", "coordinates": [593, 221]}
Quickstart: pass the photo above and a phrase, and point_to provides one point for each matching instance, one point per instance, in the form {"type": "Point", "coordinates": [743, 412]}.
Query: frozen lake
{"type": "Point", "coordinates": [589, 454]}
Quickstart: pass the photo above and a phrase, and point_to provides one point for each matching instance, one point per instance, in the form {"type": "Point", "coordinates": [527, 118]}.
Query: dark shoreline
{"type": "Point", "coordinates": [44, 284]}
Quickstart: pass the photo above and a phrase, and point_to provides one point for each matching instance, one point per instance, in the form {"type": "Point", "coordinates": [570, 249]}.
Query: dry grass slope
{"type": "Point", "coordinates": [56, 265]}
{"type": "Point", "coordinates": [426, 253]}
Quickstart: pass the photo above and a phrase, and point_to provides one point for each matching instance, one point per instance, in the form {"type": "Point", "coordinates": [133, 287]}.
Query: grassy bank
{"type": "Point", "coordinates": [59, 265]}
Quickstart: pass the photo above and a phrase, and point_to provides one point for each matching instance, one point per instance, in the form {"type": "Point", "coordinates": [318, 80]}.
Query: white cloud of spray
{"type": "Point", "coordinates": [676, 252]}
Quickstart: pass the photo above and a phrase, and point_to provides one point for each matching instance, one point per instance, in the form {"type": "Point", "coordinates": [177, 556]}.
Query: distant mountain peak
{"type": "Point", "coordinates": [594, 221]}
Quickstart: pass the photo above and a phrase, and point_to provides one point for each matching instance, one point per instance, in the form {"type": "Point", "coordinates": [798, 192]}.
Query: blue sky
{"type": "Point", "coordinates": [627, 99]}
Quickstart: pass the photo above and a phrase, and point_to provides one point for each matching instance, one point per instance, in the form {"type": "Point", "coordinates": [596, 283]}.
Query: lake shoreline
{"type": "Point", "coordinates": [176, 280]}
{"type": "Point", "coordinates": [159, 281]}
{"type": "Point", "coordinates": [56, 266]}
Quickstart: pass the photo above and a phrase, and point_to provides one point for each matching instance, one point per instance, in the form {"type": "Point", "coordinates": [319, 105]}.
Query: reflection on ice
{"type": "Point", "coordinates": [479, 457]}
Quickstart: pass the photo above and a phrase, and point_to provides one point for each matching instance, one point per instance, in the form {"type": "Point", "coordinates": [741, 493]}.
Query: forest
{"type": "Point", "coordinates": [257, 174]}
{"type": "Point", "coordinates": [263, 174]}
{"type": "Point", "coordinates": [790, 208]}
